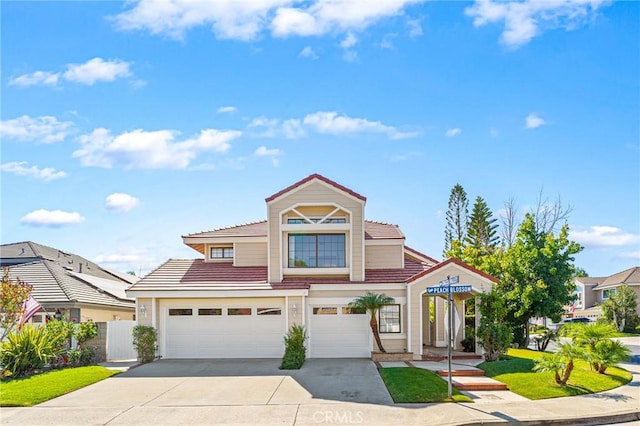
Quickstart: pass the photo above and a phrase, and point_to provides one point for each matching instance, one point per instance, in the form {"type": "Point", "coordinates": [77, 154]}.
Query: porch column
{"type": "Point", "coordinates": [478, 317]}
{"type": "Point", "coordinates": [459, 320]}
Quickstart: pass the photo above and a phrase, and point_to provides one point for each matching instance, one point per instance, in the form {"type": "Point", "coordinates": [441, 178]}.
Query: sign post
{"type": "Point", "coordinates": [448, 287]}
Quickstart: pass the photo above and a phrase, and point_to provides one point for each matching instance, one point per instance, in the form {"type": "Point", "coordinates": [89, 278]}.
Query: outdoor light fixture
{"type": "Point", "coordinates": [294, 309]}
{"type": "Point", "coordinates": [58, 315]}
{"type": "Point", "coordinates": [143, 310]}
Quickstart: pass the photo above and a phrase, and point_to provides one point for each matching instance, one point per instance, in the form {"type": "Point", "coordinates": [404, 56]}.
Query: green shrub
{"type": "Point", "coordinates": [469, 342]}
{"type": "Point", "coordinates": [85, 331]}
{"type": "Point", "coordinates": [26, 350]}
{"type": "Point", "coordinates": [145, 340]}
{"type": "Point", "coordinates": [294, 350]}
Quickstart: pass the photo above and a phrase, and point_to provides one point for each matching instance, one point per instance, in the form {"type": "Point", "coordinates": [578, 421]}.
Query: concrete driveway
{"type": "Point", "coordinates": [167, 383]}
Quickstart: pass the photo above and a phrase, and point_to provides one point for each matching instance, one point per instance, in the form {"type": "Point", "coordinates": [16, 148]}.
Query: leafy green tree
{"type": "Point", "coordinates": [372, 302]}
{"type": "Point", "coordinates": [493, 334]}
{"type": "Point", "coordinates": [537, 276]}
{"type": "Point", "coordinates": [621, 308]}
{"type": "Point", "coordinates": [561, 362]}
{"type": "Point", "coordinates": [457, 217]}
{"type": "Point", "coordinates": [482, 227]}
{"type": "Point", "coordinates": [13, 296]}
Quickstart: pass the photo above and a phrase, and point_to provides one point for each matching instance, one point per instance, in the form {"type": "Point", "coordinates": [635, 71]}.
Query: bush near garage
{"type": "Point", "coordinates": [145, 339]}
{"type": "Point", "coordinates": [294, 350]}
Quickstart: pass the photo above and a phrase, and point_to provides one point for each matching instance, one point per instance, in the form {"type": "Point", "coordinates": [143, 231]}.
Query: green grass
{"type": "Point", "coordinates": [29, 391]}
{"type": "Point", "coordinates": [619, 334]}
{"type": "Point", "coordinates": [418, 385]}
{"type": "Point", "coordinates": [517, 373]}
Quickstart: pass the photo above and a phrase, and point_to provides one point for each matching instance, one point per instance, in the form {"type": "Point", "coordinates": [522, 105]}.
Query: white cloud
{"type": "Point", "coordinates": [88, 73]}
{"type": "Point", "coordinates": [404, 157]}
{"type": "Point", "coordinates": [121, 202]}
{"type": "Point", "coordinates": [524, 20]}
{"type": "Point", "coordinates": [308, 52]}
{"type": "Point", "coordinates": [349, 41]}
{"type": "Point", "coordinates": [51, 218]}
{"type": "Point", "coordinates": [227, 110]}
{"type": "Point", "coordinates": [125, 259]}
{"type": "Point", "coordinates": [38, 77]}
{"type": "Point", "coordinates": [604, 236]}
{"type": "Point", "coordinates": [453, 132]}
{"type": "Point", "coordinates": [533, 121]}
{"type": "Point", "coordinates": [263, 151]}
{"type": "Point", "coordinates": [141, 149]}
{"type": "Point", "coordinates": [333, 123]}
{"type": "Point", "coordinates": [292, 129]}
{"type": "Point", "coordinates": [22, 169]}
{"type": "Point", "coordinates": [263, 121]}
{"type": "Point", "coordinates": [97, 69]}
{"type": "Point", "coordinates": [246, 20]}
{"type": "Point", "coordinates": [415, 28]}
{"type": "Point", "coordinates": [43, 129]}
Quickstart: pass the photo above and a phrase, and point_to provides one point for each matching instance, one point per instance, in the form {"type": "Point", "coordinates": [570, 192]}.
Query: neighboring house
{"type": "Point", "coordinates": [313, 255]}
{"type": "Point", "coordinates": [69, 285]}
{"type": "Point", "coordinates": [592, 291]}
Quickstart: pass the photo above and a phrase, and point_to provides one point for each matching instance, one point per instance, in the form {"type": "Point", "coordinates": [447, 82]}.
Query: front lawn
{"type": "Point", "coordinates": [517, 373]}
{"type": "Point", "coordinates": [417, 385]}
{"type": "Point", "coordinates": [29, 391]}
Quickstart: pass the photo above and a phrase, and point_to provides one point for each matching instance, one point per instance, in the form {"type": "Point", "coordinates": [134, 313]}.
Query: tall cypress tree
{"type": "Point", "coordinates": [457, 217]}
{"type": "Point", "coordinates": [482, 229]}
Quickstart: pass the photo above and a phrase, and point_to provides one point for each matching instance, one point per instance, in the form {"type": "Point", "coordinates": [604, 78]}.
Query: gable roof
{"type": "Point", "coordinates": [456, 262]}
{"type": "Point", "coordinates": [52, 283]}
{"type": "Point", "coordinates": [629, 276]}
{"type": "Point", "coordinates": [29, 251]}
{"type": "Point", "coordinates": [321, 178]}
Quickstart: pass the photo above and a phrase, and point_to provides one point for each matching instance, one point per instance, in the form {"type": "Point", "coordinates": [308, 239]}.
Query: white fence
{"type": "Point", "coordinates": [119, 340]}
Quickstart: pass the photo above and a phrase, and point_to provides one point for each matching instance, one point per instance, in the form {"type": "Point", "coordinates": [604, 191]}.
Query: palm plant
{"type": "Point", "coordinates": [561, 363]}
{"type": "Point", "coordinates": [372, 302]}
{"type": "Point", "coordinates": [594, 338]}
{"type": "Point", "coordinates": [607, 353]}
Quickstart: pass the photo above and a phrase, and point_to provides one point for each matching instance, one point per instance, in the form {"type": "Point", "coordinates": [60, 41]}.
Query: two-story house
{"type": "Point", "coordinates": [314, 253]}
{"type": "Point", "coordinates": [592, 291]}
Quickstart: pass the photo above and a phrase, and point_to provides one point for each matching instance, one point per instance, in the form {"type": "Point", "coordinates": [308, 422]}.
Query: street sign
{"type": "Point", "coordinates": [450, 280]}
{"type": "Point", "coordinates": [445, 289]}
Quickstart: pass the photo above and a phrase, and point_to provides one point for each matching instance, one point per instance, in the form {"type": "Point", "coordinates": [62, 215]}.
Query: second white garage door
{"type": "Point", "coordinates": [209, 329]}
{"type": "Point", "coordinates": [338, 332]}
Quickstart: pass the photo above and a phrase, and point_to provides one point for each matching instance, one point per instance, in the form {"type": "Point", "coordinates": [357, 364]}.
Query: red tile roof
{"type": "Point", "coordinates": [372, 231]}
{"type": "Point", "coordinates": [457, 262]}
{"type": "Point", "coordinates": [318, 177]}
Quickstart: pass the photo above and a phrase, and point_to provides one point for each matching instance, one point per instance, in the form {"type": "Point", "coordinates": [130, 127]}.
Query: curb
{"type": "Point", "coordinates": [594, 420]}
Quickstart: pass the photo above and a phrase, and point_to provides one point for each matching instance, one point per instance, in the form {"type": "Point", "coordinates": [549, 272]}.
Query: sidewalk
{"type": "Point", "coordinates": [615, 406]}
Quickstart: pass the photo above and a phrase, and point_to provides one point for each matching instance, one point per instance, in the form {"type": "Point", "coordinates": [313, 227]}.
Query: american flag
{"type": "Point", "coordinates": [30, 309]}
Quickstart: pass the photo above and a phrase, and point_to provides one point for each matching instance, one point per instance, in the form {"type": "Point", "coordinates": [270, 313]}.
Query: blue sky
{"type": "Point", "coordinates": [127, 125]}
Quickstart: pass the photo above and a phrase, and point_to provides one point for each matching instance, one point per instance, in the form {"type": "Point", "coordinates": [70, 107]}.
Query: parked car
{"type": "Point", "coordinates": [578, 319]}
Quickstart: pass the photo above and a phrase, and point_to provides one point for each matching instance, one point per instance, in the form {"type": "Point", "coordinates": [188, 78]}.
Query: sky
{"type": "Point", "coordinates": [127, 125]}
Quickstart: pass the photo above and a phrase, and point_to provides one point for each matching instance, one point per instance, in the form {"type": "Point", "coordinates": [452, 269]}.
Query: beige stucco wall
{"type": "Point", "coordinates": [334, 291]}
{"type": "Point", "coordinates": [418, 288]}
{"type": "Point", "coordinates": [319, 194]}
{"type": "Point", "coordinates": [392, 345]}
{"type": "Point", "coordinates": [105, 314]}
{"type": "Point", "coordinates": [384, 256]}
{"type": "Point", "coordinates": [144, 318]}
{"type": "Point", "coordinates": [250, 254]}
{"type": "Point", "coordinates": [296, 309]}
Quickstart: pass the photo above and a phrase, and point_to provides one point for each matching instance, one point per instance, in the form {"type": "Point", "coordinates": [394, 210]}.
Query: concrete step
{"type": "Point", "coordinates": [438, 358]}
{"type": "Point", "coordinates": [458, 373]}
{"type": "Point", "coordinates": [477, 383]}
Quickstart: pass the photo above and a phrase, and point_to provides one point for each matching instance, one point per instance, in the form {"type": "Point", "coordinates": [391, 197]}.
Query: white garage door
{"type": "Point", "coordinates": [338, 332]}
{"type": "Point", "coordinates": [212, 330]}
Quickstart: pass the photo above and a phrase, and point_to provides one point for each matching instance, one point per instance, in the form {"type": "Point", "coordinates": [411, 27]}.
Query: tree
{"type": "Point", "coordinates": [620, 308]}
{"type": "Point", "coordinates": [13, 297]}
{"type": "Point", "coordinates": [509, 222]}
{"type": "Point", "coordinates": [537, 276]}
{"type": "Point", "coordinates": [481, 228]}
{"type": "Point", "coordinates": [372, 302]}
{"type": "Point", "coordinates": [457, 217]}
{"type": "Point", "coordinates": [493, 334]}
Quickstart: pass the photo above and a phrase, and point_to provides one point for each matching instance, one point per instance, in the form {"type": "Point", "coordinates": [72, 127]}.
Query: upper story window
{"type": "Point", "coordinates": [317, 251]}
{"type": "Point", "coordinates": [222, 253]}
{"type": "Point", "coordinates": [608, 293]}
{"type": "Point", "coordinates": [299, 221]}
